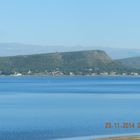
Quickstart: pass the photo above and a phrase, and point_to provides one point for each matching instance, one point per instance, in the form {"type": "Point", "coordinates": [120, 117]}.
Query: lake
{"type": "Point", "coordinates": [45, 108]}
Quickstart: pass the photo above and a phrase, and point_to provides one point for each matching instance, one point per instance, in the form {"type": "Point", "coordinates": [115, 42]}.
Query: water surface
{"type": "Point", "coordinates": [44, 108]}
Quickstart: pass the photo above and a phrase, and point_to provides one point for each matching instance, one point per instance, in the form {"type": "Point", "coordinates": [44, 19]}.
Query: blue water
{"type": "Point", "coordinates": [44, 108]}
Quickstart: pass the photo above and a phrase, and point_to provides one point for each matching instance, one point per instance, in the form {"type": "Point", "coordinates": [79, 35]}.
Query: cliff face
{"type": "Point", "coordinates": [85, 59]}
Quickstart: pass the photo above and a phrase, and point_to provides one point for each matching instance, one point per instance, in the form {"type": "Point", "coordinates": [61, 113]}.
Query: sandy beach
{"type": "Point", "coordinates": [106, 138]}
{"type": "Point", "coordinates": [132, 136]}
{"type": "Point", "coordinates": [121, 138]}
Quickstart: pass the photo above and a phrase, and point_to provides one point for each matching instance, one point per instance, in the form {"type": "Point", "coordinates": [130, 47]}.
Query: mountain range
{"type": "Point", "coordinates": [77, 62]}
{"type": "Point", "coordinates": [12, 49]}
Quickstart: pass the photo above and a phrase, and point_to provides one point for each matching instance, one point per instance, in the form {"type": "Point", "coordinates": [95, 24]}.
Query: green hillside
{"type": "Point", "coordinates": [133, 62]}
{"type": "Point", "coordinates": [80, 62]}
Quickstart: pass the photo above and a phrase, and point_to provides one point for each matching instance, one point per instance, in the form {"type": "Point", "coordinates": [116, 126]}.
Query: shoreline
{"type": "Point", "coordinates": [101, 137]}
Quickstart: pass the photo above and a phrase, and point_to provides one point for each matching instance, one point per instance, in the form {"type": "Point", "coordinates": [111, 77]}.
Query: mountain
{"type": "Point", "coordinates": [121, 53]}
{"type": "Point", "coordinates": [78, 62]}
{"type": "Point", "coordinates": [12, 49]}
{"type": "Point", "coordinates": [133, 62]}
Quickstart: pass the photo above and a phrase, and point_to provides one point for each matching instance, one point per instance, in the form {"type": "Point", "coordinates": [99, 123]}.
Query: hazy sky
{"type": "Point", "coordinates": [107, 23]}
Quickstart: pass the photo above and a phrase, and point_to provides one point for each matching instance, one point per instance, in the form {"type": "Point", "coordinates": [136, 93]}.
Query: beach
{"type": "Point", "coordinates": [121, 138]}
{"type": "Point", "coordinates": [131, 136]}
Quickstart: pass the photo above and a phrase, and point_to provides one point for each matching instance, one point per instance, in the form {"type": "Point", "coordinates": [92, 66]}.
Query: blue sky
{"type": "Point", "coordinates": [106, 23]}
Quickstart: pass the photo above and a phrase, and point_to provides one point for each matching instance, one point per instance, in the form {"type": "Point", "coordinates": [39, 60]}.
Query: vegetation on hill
{"type": "Point", "coordinates": [78, 63]}
{"type": "Point", "coordinates": [133, 62]}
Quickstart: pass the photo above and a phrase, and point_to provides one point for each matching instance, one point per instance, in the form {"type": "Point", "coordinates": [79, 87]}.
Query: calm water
{"type": "Point", "coordinates": [44, 108]}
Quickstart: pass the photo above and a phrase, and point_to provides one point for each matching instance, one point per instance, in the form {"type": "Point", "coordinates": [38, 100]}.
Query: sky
{"type": "Point", "coordinates": [105, 23]}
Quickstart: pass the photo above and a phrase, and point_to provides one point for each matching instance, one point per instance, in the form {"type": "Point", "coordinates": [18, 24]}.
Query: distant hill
{"type": "Point", "coordinates": [79, 62]}
{"type": "Point", "coordinates": [133, 62]}
{"type": "Point", "coordinates": [12, 49]}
